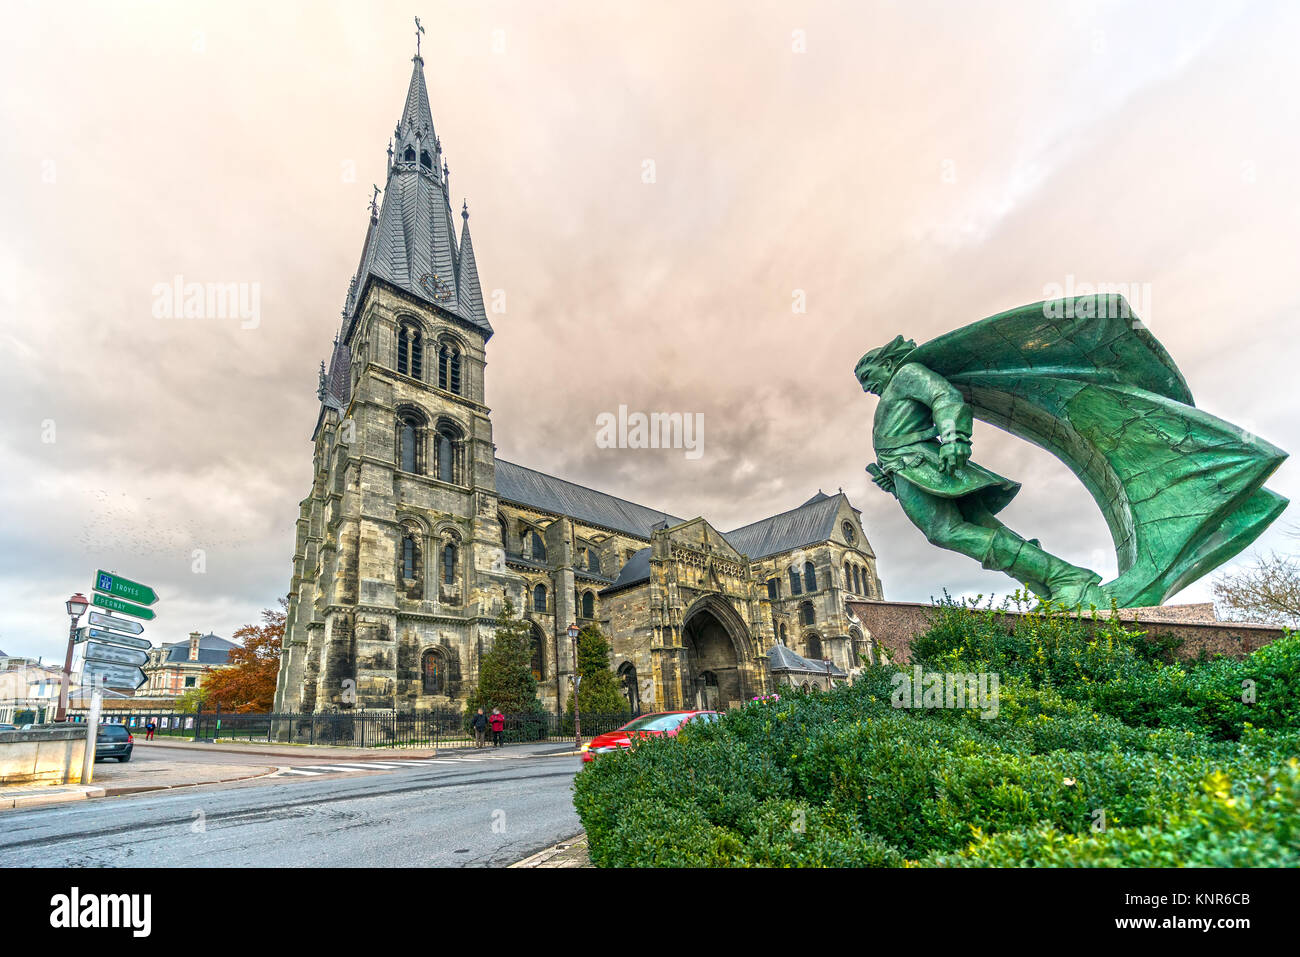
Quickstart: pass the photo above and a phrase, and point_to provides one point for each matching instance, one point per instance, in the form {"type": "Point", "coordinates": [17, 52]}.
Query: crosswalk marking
{"type": "Point", "coordinates": [312, 770]}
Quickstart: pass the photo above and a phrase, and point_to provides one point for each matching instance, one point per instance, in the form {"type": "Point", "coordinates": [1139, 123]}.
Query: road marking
{"type": "Point", "coordinates": [298, 771]}
{"type": "Point", "coordinates": [329, 767]}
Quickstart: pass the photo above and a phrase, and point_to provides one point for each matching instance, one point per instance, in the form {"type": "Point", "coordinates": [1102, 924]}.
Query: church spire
{"type": "Point", "coordinates": [411, 243]}
{"type": "Point", "coordinates": [470, 301]}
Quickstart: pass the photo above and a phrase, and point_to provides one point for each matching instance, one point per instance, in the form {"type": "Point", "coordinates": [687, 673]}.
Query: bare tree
{"type": "Point", "coordinates": [1268, 591]}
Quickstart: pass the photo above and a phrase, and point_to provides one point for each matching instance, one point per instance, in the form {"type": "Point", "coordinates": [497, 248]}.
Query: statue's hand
{"type": "Point", "coordinates": [884, 480]}
{"type": "Point", "coordinates": [953, 455]}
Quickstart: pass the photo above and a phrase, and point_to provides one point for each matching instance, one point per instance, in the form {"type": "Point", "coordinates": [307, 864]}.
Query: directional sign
{"type": "Point", "coordinates": [124, 588]}
{"type": "Point", "coordinates": [98, 651]}
{"type": "Point", "coordinates": [125, 607]}
{"type": "Point", "coordinates": [105, 620]}
{"type": "Point", "coordinates": [111, 675]}
{"type": "Point", "coordinates": [113, 638]}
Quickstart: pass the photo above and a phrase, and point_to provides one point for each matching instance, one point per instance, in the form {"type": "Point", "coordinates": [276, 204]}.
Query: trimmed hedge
{"type": "Point", "coordinates": [1093, 729]}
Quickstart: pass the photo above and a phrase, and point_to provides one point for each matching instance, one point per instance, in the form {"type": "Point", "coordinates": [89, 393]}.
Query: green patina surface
{"type": "Point", "coordinates": [1181, 490]}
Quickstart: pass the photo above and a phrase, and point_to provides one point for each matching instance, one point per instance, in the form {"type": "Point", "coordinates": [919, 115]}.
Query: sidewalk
{"type": "Point", "coordinates": [31, 795]}
{"type": "Point", "coordinates": [570, 853]}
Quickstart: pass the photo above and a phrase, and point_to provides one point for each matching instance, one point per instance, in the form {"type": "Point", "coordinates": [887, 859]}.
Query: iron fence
{"type": "Point", "coordinates": [358, 729]}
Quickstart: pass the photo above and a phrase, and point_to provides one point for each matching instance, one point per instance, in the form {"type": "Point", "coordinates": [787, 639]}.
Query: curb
{"type": "Point", "coordinates": [58, 797]}
{"type": "Point", "coordinates": [562, 854]}
{"type": "Point", "coordinates": [141, 788]}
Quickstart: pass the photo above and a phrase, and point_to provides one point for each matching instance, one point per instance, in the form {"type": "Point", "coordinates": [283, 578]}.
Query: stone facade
{"type": "Point", "coordinates": [414, 533]}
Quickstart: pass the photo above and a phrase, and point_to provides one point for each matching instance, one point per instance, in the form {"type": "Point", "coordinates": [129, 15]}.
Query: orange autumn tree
{"type": "Point", "coordinates": [248, 682]}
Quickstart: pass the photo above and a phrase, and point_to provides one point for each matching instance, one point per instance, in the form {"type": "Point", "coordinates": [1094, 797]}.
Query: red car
{"type": "Point", "coordinates": [646, 726]}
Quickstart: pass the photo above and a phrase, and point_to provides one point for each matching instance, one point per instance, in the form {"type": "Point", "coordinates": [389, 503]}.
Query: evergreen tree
{"type": "Point", "coordinates": [505, 672]}
{"type": "Point", "coordinates": [598, 693]}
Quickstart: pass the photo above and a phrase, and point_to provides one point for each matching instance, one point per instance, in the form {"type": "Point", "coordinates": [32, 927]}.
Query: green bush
{"type": "Point", "coordinates": [1093, 726]}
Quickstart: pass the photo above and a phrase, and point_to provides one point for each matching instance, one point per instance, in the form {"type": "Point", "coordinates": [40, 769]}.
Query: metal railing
{"type": "Point", "coordinates": [359, 729]}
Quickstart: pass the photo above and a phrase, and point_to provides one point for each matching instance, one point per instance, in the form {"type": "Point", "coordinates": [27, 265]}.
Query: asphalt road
{"type": "Point", "coordinates": [490, 813]}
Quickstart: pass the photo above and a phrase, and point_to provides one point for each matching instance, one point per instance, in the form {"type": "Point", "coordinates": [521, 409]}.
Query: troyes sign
{"type": "Point", "coordinates": [124, 588]}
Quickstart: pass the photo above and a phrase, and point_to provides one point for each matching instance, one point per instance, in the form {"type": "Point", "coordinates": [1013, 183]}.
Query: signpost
{"type": "Point", "coordinates": [97, 651]}
{"type": "Point", "coordinates": [113, 638]}
{"type": "Point", "coordinates": [125, 607]}
{"type": "Point", "coordinates": [105, 620]}
{"type": "Point", "coordinates": [114, 650]}
{"type": "Point", "coordinates": [111, 675]}
{"type": "Point", "coordinates": [125, 588]}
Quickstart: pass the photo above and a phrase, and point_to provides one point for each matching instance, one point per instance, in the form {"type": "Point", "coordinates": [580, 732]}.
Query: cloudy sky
{"type": "Point", "coordinates": [900, 167]}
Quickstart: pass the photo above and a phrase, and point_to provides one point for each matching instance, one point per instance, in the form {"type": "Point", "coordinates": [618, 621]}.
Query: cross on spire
{"type": "Point", "coordinates": [418, 30]}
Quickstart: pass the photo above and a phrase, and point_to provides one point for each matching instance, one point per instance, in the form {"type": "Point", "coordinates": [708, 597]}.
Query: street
{"type": "Point", "coordinates": [478, 809]}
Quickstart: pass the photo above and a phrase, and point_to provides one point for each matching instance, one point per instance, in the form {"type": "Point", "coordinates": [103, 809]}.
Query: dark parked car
{"type": "Point", "coordinates": [113, 741]}
{"type": "Point", "coordinates": [8, 727]}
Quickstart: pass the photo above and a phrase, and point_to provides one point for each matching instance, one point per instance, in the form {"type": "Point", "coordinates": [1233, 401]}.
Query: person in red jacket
{"type": "Point", "coordinates": [498, 724]}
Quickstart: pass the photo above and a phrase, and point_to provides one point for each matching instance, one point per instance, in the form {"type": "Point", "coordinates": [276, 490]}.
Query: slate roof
{"type": "Point", "coordinates": [634, 571]}
{"type": "Point", "coordinates": [525, 486]}
{"type": "Point", "coordinates": [813, 521]}
{"type": "Point", "coordinates": [212, 650]}
{"type": "Point", "coordinates": [781, 658]}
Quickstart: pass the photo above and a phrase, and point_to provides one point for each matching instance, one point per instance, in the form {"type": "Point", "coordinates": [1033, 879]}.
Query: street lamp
{"type": "Point", "coordinates": [829, 682]}
{"type": "Point", "coordinates": [577, 679]}
{"type": "Point", "coordinates": [76, 606]}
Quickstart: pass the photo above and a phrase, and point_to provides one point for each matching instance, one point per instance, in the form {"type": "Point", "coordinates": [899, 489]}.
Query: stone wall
{"type": "Point", "coordinates": [49, 756]}
{"type": "Point", "coordinates": [893, 624]}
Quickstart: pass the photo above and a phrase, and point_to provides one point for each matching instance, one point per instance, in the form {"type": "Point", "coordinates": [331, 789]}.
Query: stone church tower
{"type": "Point", "coordinates": [414, 532]}
{"type": "Point", "coordinates": [398, 563]}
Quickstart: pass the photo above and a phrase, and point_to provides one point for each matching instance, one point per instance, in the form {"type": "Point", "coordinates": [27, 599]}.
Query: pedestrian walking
{"type": "Point", "coordinates": [148, 731]}
{"type": "Point", "coordinates": [498, 722]}
{"type": "Point", "coordinates": [479, 724]}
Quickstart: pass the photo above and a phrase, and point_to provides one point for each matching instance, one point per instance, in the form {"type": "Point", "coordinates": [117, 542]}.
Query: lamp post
{"type": "Point", "coordinates": [76, 606]}
{"type": "Point", "coordinates": [829, 682]}
{"type": "Point", "coordinates": [577, 679]}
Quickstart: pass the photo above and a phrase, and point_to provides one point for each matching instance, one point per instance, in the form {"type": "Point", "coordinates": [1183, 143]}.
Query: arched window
{"type": "Point", "coordinates": [536, 547]}
{"type": "Point", "coordinates": [631, 691]}
{"type": "Point", "coordinates": [410, 348]}
{"type": "Point", "coordinates": [410, 555]}
{"type": "Point", "coordinates": [449, 377]}
{"type": "Point", "coordinates": [848, 577]}
{"type": "Point", "coordinates": [434, 670]}
{"type": "Point", "coordinates": [449, 564]}
{"type": "Point", "coordinates": [538, 658]}
{"type": "Point", "coordinates": [812, 647]}
{"type": "Point", "coordinates": [539, 598]}
{"type": "Point", "coordinates": [857, 582]}
{"type": "Point", "coordinates": [409, 155]}
{"type": "Point", "coordinates": [783, 633]}
{"type": "Point", "coordinates": [410, 441]}
{"type": "Point", "coordinates": [796, 584]}
{"type": "Point", "coordinates": [773, 589]}
{"type": "Point", "coordinates": [806, 613]}
{"type": "Point", "coordinates": [592, 561]}
{"type": "Point", "coordinates": [588, 605]}
{"type": "Point", "coordinates": [426, 160]}
{"type": "Point", "coordinates": [849, 535]}
{"type": "Point", "coordinates": [809, 577]}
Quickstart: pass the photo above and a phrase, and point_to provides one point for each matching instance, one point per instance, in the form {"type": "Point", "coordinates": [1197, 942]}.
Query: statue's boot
{"type": "Point", "coordinates": [1041, 572]}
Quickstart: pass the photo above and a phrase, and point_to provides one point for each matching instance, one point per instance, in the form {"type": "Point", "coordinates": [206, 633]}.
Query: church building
{"type": "Point", "coordinates": [414, 532]}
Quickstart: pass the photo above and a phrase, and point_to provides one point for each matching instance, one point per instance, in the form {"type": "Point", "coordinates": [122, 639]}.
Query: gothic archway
{"type": "Point", "coordinates": [718, 651]}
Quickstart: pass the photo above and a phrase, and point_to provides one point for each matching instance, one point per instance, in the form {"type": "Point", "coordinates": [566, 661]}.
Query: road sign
{"type": "Point", "coordinates": [103, 636]}
{"type": "Point", "coordinates": [98, 651]}
{"type": "Point", "coordinates": [111, 675]}
{"type": "Point", "coordinates": [105, 620]}
{"type": "Point", "coordinates": [124, 588]}
{"type": "Point", "coordinates": [125, 607]}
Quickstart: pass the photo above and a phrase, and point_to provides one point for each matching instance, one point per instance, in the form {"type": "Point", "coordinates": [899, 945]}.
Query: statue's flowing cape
{"type": "Point", "coordinates": [1181, 490]}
